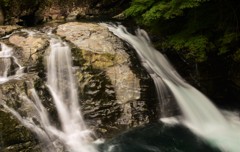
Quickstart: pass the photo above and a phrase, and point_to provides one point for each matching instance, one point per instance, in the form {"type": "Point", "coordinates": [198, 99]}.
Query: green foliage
{"type": "Point", "coordinates": [225, 41]}
{"type": "Point", "coordinates": [152, 10]}
{"type": "Point", "coordinates": [194, 28]}
{"type": "Point", "coordinates": [138, 7]}
{"type": "Point", "coordinates": [236, 55]}
{"type": "Point", "coordinates": [193, 48]}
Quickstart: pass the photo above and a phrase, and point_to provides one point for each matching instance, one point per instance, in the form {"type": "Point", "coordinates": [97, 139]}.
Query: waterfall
{"type": "Point", "coordinates": [8, 59]}
{"type": "Point", "coordinates": [62, 86]}
{"type": "Point", "coordinates": [200, 115]}
{"type": "Point", "coordinates": [73, 135]}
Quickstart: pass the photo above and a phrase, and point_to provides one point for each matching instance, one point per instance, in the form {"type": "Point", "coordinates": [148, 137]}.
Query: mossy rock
{"type": "Point", "coordinates": [98, 61]}
{"type": "Point", "coordinates": [14, 137]}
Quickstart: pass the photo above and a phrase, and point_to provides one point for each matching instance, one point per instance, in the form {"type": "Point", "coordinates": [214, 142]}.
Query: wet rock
{"type": "Point", "coordinates": [14, 136]}
{"type": "Point", "coordinates": [127, 88]}
{"type": "Point", "coordinates": [112, 94]}
{"type": "Point", "coordinates": [30, 46]}
{"type": "Point", "coordinates": [4, 66]}
{"type": "Point", "coordinates": [8, 29]}
{"type": "Point", "coordinates": [110, 89]}
{"type": "Point", "coordinates": [122, 79]}
{"type": "Point", "coordinates": [89, 36]}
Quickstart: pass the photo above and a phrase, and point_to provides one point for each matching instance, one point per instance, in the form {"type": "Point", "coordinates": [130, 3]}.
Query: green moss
{"type": "Point", "coordinates": [89, 59]}
{"type": "Point", "coordinates": [14, 137]}
{"type": "Point", "coordinates": [194, 28]}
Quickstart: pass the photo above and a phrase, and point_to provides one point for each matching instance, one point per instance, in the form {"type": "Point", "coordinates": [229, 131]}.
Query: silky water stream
{"type": "Point", "coordinates": [200, 115]}
{"type": "Point", "coordinates": [7, 60]}
{"type": "Point", "coordinates": [72, 135]}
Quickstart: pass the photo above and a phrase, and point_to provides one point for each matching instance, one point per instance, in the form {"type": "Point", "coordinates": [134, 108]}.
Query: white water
{"type": "Point", "coordinates": [200, 115]}
{"type": "Point", "coordinates": [72, 135]}
{"type": "Point", "coordinates": [62, 86]}
{"type": "Point", "coordinates": [6, 55]}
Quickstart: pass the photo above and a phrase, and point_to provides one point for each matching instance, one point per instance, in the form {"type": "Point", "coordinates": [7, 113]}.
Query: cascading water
{"type": "Point", "coordinates": [62, 86]}
{"type": "Point", "coordinates": [200, 115]}
{"type": "Point", "coordinates": [6, 56]}
{"type": "Point", "coordinates": [73, 135]}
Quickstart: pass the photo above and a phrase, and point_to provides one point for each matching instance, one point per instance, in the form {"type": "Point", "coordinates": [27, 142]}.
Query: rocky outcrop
{"type": "Point", "coordinates": [117, 95]}
{"type": "Point", "coordinates": [29, 46]}
{"type": "Point", "coordinates": [113, 95]}
{"type": "Point", "coordinates": [4, 30]}
{"type": "Point", "coordinates": [14, 136]}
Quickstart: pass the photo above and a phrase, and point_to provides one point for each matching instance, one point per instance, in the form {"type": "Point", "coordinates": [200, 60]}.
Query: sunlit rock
{"type": "Point", "coordinates": [30, 46]}
{"type": "Point", "coordinates": [110, 89]}
{"type": "Point", "coordinates": [8, 29]}
{"type": "Point", "coordinates": [113, 94]}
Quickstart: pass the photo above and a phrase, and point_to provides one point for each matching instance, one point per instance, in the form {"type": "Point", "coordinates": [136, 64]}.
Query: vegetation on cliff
{"type": "Point", "coordinates": [194, 28]}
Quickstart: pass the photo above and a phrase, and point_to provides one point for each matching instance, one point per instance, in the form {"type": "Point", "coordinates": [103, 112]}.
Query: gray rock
{"type": "Point", "coordinates": [110, 89]}
{"type": "Point", "coordinates": [29, 47]}
{"type": "Point", "coordinates": [8, 29]}
{"type": "Point", "coordinates": [111, 93]}
{"type": "Point", "coordinates": [14, 137]}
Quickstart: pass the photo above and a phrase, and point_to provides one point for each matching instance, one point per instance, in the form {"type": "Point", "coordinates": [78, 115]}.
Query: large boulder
{"type": "Point", "coordinates": [111, 90]}
{"type": "Point", "coordinates": [114, 96]}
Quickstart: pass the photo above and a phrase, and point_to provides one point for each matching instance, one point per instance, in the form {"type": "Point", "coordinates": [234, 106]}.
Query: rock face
{"type": "Point", "coordinates": [14, 137]}
{"type": "Point", "coordinates": [113, 95]}
{"type": "Point", "coordinates": [118, 97]}
{"type": "Point", "coordinates": [29, 47]}
{"type": "Point", "coordinates": [7, 29]}
{"type": "Point", "coordinates": [30, 13]}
